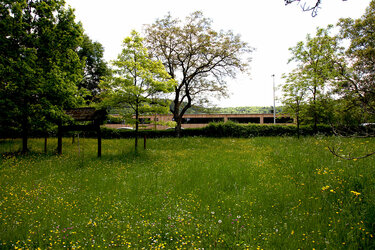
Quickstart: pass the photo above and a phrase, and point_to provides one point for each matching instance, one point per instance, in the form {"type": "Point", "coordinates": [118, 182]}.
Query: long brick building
{"type": "Point", "coordinates": [201, 120]}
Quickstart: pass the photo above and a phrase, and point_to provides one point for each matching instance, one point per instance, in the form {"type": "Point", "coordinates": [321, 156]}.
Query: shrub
{"type": "Point", "coordinates": [231, 129]}
{"type": "Point", "coordinates": [221, 129]}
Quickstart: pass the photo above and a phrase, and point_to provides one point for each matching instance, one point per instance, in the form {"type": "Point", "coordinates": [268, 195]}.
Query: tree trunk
{"type": "Point", "coordinates": [25, 134]}
{"type": "Point", "coordinates": [176, 117]}
{"type": "Point", "coordinates": [178, 126]}
{"type": "Point", "coordinates": [24, 140]}
{"type": "Point", "coordinates": [25, 125]}
{"type": "Point", "coordinates": [136, 128]}
{"type": "Point", "coordinates": [177, 114]}
{"type": "Point", "coordinates": [315, 121]}
{"type": "Point", "coordinates": [315, 112]}
{"type": "Point", "coordinates": [298, 131]}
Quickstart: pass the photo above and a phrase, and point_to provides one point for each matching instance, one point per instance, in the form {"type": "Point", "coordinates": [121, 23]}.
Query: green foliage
{"type": "Point", "coordinates": [307, 90]}
{"type": "Point", "coordinates": [95, 67]}
{"type": "Point", "coordinates": [294, 94]}
{"type": "Point", "coordinates": [356, 85]}
{"type": "Point", "coordinates": [334, 85]}
{"type": "Point", "coordinates": [199, 58]}
{"type": "Point", "coordinates": [228, 129]}
{"type": "Point", "coordinates": [115, 119]}
{"type": "Point", "coordinates": [39, 66]}
{"type": "Point", "coordinates": [219, 193]}
{"type": "Point", "coordinates": [138, 82]}
{"type": "Point", "coordinates": [231, 129]}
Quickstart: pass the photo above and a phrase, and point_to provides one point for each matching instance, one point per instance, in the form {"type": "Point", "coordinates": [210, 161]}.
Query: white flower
{"type": "Point", "coordinates": [219, 221]}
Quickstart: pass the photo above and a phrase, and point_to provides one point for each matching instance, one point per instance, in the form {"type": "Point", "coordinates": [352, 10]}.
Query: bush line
{"type": "Point", "coordinates": [227, 129]}
{"type": "Point", "coordinates": [221, 129]}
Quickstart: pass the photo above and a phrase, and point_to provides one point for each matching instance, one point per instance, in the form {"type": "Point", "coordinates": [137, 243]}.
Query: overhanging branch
{"type": "Point", "coordinates": [313, 8]}
{"type": "Point", "coordinates": [349, 157]}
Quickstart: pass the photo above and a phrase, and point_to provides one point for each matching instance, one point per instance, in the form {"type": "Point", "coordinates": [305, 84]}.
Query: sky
{"type": "Point", "coordinates": [266, 25]}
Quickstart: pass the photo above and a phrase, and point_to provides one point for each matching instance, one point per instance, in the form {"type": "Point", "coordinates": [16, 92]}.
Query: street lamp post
{"type": "Point", "coordinates": [274, 106]}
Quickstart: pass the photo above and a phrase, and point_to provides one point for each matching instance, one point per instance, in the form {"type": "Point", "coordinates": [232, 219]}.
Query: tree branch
{"type": "Point", "coordinates": [313, 8]}
{"type": "Point", "coordinates": [334, 152]}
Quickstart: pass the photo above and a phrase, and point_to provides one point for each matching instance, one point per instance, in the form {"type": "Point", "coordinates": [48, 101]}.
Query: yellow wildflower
{"type": "Point", "coordinates": [355, 193]}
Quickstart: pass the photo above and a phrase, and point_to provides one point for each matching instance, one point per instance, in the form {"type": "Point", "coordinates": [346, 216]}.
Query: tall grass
{"type": "Point", "coordinates": [188, 193]}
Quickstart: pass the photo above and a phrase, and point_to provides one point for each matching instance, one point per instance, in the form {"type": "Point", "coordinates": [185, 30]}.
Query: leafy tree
{"type": "Point", "coordinates": [316, 59]}
{"type": "Point", "coordinates": [357, 88]}
{"type": "Point", "coordinates": [138, 81]}
{"type": "Point", "coordinates": [39, 66]}
{"type": "Point", "coordinates": [294, 96]}
{"type": "Point", "coordinates": [358, 71]}
{"type": "Point", "coordinates": [95, 67]}
{"type": "Point", "coordinates": [197, 57]}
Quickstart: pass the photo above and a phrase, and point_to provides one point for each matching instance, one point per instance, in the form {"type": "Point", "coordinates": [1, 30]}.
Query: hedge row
{"type": "Point", "coordinates": [115, 133]}
{"type": "Point", "coordinates": [228, 129]}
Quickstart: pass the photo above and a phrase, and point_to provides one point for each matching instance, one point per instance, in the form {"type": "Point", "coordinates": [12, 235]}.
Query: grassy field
{"type": "Point", "coordinates": [189, 193]}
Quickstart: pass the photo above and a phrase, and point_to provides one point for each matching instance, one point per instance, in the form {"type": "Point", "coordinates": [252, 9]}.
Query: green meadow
{"type": "Point", "coordinates": [188, 193]}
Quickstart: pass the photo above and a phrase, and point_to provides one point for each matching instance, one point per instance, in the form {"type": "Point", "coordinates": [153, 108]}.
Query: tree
{"type": "Point", "coordinates": [39, 66]}
{"type": "Point", "coordinates": [197, 57]}
{"type": "Point", "coordinates": [294, 96]}
{"type": "Point", "coordinates": [138, 81]}
{"type": "Point", "coordinates": [95, 67]}
{"type": "Point", "coordinates": [315, 60]}
{"type": "Point", "coordinates": [358, 71]}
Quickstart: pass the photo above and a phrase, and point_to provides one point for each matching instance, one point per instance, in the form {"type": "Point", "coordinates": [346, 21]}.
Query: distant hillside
{"type": "Point", "coordinates": [246, 110]}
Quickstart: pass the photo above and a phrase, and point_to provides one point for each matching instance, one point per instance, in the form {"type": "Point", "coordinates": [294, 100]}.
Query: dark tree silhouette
{"type": "Point", "coordinates": [314, 7]}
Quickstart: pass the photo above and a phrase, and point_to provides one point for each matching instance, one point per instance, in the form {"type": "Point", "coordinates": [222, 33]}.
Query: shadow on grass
{"type": "Point", "coordinates": [121, 156]}
{"type": "Point", "coordinates": [125, 156]}
{"type": "Point", "coordinates": [74, 158]}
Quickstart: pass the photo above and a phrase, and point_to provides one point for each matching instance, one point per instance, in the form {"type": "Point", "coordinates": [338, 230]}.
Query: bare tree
{"type": "Point", "coordinates": [313, 7]}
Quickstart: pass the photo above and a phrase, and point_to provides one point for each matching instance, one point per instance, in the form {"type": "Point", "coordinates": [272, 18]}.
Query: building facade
{"type": "Point", "coordinates": [201, 120]}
